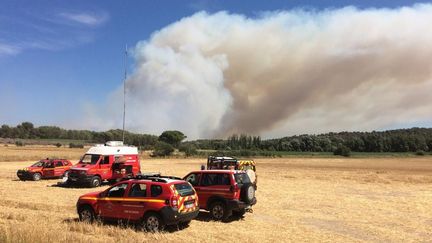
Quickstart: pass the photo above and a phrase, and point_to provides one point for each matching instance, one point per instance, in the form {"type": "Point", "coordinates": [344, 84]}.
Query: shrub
{"type": "Point", "coordinates": [162, 149]}
{"type": "Point", "coordinates": [19, 143]}
{"type": "Point", "coordinates": [188, 149]}
{"type": "Point", "coordinates": [58, 145]}
{"type": "Point", "coordinates": [342, 151]}
{"type": "Point", "coordinates": [74, 145]}
{"type": "Point", "coordinates": [420, 153]}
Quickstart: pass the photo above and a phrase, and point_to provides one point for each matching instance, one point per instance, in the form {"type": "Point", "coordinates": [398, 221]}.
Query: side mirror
{"type": "Point", "coordinates": [103, 194]}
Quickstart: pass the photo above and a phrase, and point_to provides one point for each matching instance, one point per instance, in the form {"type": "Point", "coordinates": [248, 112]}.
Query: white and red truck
{"type": "Point", "coordinates": [110, 162]}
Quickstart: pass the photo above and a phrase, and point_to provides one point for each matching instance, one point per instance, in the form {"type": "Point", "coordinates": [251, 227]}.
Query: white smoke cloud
{"type": "Point", "coordinates": [288, 72]}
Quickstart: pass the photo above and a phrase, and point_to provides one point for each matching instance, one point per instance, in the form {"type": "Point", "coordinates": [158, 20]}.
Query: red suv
{"type": "Point", "coordinates": [152, 201]}
{"type": "Point", "coordinates": [223, 192]}
{"type": "Point", "coordinates": [46, 168]}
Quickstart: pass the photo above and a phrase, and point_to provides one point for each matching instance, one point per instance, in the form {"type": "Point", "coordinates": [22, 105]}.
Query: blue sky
{"type": "Point", "coordinates": [56, 56]}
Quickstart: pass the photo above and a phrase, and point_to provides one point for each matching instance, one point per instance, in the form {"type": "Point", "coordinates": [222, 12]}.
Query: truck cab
{"type": "Point", "coordinates": [111, 161]}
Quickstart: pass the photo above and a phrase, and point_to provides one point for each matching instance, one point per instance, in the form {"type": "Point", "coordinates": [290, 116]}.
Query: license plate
{"type": "Point", "coordinates": [189, 204]}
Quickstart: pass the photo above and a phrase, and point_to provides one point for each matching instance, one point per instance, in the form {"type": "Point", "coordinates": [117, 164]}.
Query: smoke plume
{"type": "Point", "coordinates": [281, 73]}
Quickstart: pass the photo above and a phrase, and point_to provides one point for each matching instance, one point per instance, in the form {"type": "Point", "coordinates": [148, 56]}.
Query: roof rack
{"type": "Point", "coordinates": [51, 159]}
{"type": "Point", "coordinates": [157, 177]}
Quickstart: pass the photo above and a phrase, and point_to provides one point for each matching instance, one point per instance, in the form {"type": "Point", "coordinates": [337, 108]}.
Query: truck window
{"type": "Point", "coordinates": [242, 178]}
{"type": "Point", "coordinates": [49, 165]}
{"type": "Point", "coordinates": [38, 164]}
{"type": "Point", "coordinates": [58, 164]}
{"type": "Point", "coordinates": [90, 159]}
{"type": "Point", "coordinates": [210, 179]}
{"type": "Point", "coordinates": [184, 189]}
{"type": "Point", "coordinates": [117, 191]}
{"type": "Point", "coordinates": [193, 179]}
{"type": "Point", "coordinates": [105, 160]}
{"type": "Point", "coordinates": [138, 190]}
{"type": "Point", "coordinates": [156, 190]}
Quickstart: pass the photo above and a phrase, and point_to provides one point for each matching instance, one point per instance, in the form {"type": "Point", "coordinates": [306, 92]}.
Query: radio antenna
{"type": "Point", "coordinates": [124, 93]}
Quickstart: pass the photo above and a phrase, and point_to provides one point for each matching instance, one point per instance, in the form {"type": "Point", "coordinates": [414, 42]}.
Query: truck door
{"type": "Point", "coordinates": [135, 204]}
{"type": "Point", "coordinates": [48, 170]}
{"type": "Point", "coordinates": [214, 184]}
{"type": "Point", "coordinates": [105, 167]}
{"type": "Point", "coordinates": [58, 168]}
{"type": "Point", "coordinates": [110, 206]}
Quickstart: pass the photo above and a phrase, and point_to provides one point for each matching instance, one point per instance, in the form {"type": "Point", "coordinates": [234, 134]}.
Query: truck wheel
{"type": "Point", "coordinates": [37, 176]}
{"type": "Point", "coordinates": [86, 214]}
{"type": "Point", "coordinates": [95, 181]}
{"type": "Point", "coordinates": [219, 211]}
{"type": "Point", "coordinates": [153, 223]}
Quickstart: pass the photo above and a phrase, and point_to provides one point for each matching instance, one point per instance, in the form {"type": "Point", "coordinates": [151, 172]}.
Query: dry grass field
{"type": "Point", "coordinates": [299, 199]}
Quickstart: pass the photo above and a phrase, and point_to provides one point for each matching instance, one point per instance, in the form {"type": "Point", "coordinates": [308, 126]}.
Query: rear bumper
{"type": "Point", "coordinates": [238, 205]}
{"type": "Point", "coordinates": [170, 216]}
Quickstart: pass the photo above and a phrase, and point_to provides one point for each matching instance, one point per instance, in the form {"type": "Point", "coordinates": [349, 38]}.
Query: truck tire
{"type": "Point", "coordinates": [95, 181]}
{"type": "Point", "coordinates": [152, 222]}
{"type": "Point", "coordinates": [37, 176]}
{"type": "Point", "coordinates": [219, 211]}
{"type": "Point", "coordinates": [86, 214]}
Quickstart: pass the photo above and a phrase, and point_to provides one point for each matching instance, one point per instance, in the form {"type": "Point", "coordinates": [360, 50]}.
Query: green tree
{"type": "Point", "coordinates": [163, 149]}
{"type": "Point", "coordinates": [172, 137]}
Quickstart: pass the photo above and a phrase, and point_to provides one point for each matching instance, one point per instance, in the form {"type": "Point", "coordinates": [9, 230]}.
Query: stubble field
{"type": "Point", "coordinates": [299, 199]}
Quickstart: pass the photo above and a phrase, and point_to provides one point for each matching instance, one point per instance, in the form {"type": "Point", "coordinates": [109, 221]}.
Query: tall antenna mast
{"type": "Point", "coordinates": [124, 94]}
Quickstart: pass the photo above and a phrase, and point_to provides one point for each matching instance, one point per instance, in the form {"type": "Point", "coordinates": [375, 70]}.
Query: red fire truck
{"type": "Point", "coordinates": [111, 161]}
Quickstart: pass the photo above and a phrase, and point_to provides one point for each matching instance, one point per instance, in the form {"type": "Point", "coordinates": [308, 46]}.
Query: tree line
{"type": "Point", "coordinates": [27, 130]}
{"type": "Point", "coordinates": [400, 140]}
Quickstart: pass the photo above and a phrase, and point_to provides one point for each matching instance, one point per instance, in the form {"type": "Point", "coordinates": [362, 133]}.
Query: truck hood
{"type": "Point", "coordinates": [90, 195]}
{"type": "Point", "coordinates": [81, 167]}
{"type": "Point", "coordinates": [32, 169]}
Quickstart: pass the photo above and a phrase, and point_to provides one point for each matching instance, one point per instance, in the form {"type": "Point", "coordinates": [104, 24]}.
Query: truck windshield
{"type": "Point", "coordinates": [38, 164]}
{"type": "Point", "coordinates": [90, 159]}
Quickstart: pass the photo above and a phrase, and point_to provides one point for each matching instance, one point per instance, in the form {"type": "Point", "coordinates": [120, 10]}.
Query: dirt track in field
{"type": "Point", "coordinates": [299, 199]}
